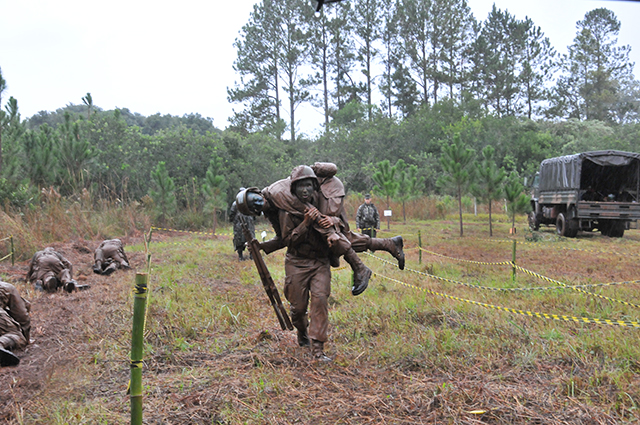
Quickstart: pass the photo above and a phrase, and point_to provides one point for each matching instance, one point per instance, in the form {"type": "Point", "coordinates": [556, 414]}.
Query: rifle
{"type": "Point", "coordinates": [267, 281]}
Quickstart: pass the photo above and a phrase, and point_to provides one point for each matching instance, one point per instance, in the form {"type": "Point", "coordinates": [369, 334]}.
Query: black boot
{"type": "Point", "coordinates": [240, 256]}
{"type": "Point", "coordinates": [97, 267]}
{"type": "Point", "coordinates": [303, 338]}
{"type": "Point", "coordinates": [392, 245]}
{"type": "Point", "coordinates": [7, 358]}
{"type": "Point", "coordinates": [361, 273]}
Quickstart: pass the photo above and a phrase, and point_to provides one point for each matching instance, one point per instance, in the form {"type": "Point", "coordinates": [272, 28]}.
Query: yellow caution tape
{"type": "Point", "coordinates": [501, 263]}
{"type": "Point", "coordinates": [621, 323]}
{"type": "Point", "coordinates": [574, 288]}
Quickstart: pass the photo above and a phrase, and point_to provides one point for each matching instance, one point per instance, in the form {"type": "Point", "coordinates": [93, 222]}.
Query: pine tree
{"type": "Point", "coordinates": [488, 182]}
{"type": "Point", "coordinates": [163, 195]}
{"type": "Point", "coordinates": [457, 164]}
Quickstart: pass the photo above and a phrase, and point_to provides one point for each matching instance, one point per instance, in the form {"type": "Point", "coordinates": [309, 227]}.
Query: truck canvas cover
{"type": "Point", "coordinates": [564, 172]}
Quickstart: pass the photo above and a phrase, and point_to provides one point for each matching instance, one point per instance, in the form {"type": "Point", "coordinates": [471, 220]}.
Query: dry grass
{"type": "Point", "coordinates": [402, 353]}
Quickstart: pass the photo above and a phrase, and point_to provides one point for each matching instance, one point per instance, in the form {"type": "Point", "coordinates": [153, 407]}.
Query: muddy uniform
{"type": "Point", "coordinates": [236, 217]}
{"type": "Point", "coordinates": [109, 257]}
{"type": "Point", "coordinates": [308, 276]}
{"type": "Point", "coordinates": [15, 323]}
{"type": "Point", "coordinates": [50, 270]}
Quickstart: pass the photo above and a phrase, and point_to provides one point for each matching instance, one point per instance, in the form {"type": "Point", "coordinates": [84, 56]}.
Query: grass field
{"type": "Point", "coordinates": [453, 339]}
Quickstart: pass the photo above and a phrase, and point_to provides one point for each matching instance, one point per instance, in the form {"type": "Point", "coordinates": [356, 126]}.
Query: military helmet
{"type": "Point", "coordinates": [302, 172]}
{"type": "Point", "coordinates": [244, 201]}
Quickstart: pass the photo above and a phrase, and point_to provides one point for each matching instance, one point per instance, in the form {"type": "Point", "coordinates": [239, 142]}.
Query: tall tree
{"type": "Point", "coordinates": [416, 30]}
{"type": "Point", "coordinates": [367, 27]}
{"type": "Point", "coordinates": [497, 52]}
{"type": "Point", "coordinates": [488, 183]}
{"type": "Point", "coordinates": [294, 52]}
{"type": "Point", "coordinates": [537, 66]}
{"type": "Point", "coordinates": [594, 69]}
{"type": "Point", "coordinates": [342, 55]}
{"type": "Point", "coordinates": [258, 65]}
{"type": "Point", "coordinates": [320, 50]}
{"type": "Point", "coordinates": [452, 33]}
{"type": "Point", "coordinates": [389, 38]}
{"type": "Point", "coordinates": [88, 101]}
{"type": "Point", "coordinates": [457, 164]}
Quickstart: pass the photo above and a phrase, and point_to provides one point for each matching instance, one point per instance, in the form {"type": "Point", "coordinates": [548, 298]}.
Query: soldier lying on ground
{"type": "Point", "coordinates": [109, 257]}
{"type": "Point", "coordinates": [15, 323]}
{"type": "Point", "coordinates": [49, 270]}
{"type": "Point", "coordinates": [279, 197]}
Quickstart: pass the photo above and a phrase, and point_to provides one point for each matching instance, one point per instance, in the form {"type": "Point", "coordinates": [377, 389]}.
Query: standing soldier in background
{"type": "Point", "coordinates": [109, 257]}
{"type": "Point", "coordinates": [367, 217]}
{"type": "Point", "coordinates": [236, 217]}
{"type": "Point", "coordinates": [15, 323]}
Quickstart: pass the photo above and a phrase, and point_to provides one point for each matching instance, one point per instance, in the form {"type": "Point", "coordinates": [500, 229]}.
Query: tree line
{"type": "Point", "coordinates": [396, 57]}
{"type": "Point", "coordinates": [187, 164]}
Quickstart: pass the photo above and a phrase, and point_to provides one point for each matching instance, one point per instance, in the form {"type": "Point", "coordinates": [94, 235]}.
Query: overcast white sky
{"type": "Point", "coordinates": [176, 57]}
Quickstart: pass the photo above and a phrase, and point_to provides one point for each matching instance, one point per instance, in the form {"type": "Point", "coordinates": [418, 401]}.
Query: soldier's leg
{"type": "Point", "coordinates": [98, 261]}
{"type": "Point", "coordinates": [50, 282]}
{"type": "Point", "coordinates": [361, 273]}
{"type": "Point", "coordinates": [296, 291]}
{"type": "Point", "coordinates": [394, 246]}
{"type": "Point", "coordinates": [320, 289]}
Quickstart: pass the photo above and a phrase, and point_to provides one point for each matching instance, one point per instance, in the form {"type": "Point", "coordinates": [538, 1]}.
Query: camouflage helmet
{"type": "Point", "coordinates": [302, 172]}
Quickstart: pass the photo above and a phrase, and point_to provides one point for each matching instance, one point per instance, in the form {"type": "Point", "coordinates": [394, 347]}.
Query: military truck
{"type": "Point", "coordinates": [587, 191]}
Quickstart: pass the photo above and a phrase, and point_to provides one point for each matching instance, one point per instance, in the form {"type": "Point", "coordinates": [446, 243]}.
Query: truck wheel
{"type": "Point", "coordinates": [534, 224]}
{"type": "Point", "coordinates": [617, 229]}
{"type": "Point", "coordinates": [566, 227]}
{"type": "Point", "coordinates": [605, 227]}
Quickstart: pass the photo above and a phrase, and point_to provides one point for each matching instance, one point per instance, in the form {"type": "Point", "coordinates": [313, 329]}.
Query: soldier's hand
{"type": "Point", "coordinates": [325, 222]}
{"type": "Point", "coordinates": [311, 214]}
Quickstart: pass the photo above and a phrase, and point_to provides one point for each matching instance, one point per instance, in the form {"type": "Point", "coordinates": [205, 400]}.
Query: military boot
{"type": "Point", "coordinates": [112, 268]}
{"type": "Point", "coordinates": [7, 358]}
{"type": "Point", "coordinates": [70, 286]}
{"type": "Point", "coordinates": [317, 351]}
{"type": "Point", "coordinates": [303, 338]}
{"type": "Point", "coordinates": [361, 273]}
{"type": "Point", "coordinates": [97, 267]}
{"type": "Point", "coordinates": [392, 245]}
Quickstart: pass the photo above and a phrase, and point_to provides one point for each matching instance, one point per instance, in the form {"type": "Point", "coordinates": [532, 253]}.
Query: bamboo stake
{"type": "Point", "coordinates": [13, 254]}
{"type": "Point", "coordinates": [419, 247]}
{"type": "Point", "coordinates": [137, 344]}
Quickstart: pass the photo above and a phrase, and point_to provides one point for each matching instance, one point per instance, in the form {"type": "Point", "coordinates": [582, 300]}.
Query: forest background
{"type": "Point", "coordinates": [396, 81]}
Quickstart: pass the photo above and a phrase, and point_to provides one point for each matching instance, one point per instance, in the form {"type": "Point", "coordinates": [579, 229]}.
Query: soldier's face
{"type": "Point", "coordinates": [304, 190]}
